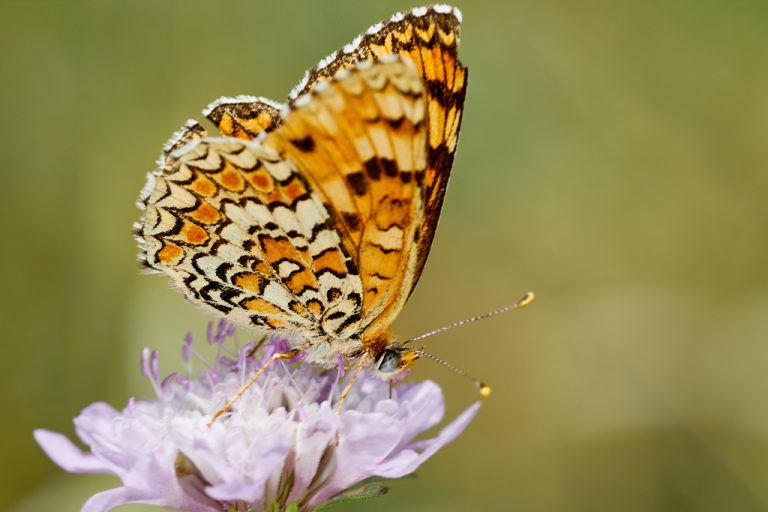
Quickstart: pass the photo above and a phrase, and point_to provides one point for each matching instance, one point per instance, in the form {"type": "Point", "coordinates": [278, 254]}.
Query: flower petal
{"type": "Point", "coordinates": [63, 452]}
{"type": "Point", "coordinates": [425, 408]}
{"type": "Point", "coordinates": [239, 458]}
{"type": "Point", "coordinates": [107, 500]}
{"type": "Point", "coordinates": [365, 441]}
{"type": "Point", "coordinates": [406, 462]}
{"type": "Point", "coordinates": [93, 420]}
{"type": "Point", "coordinates": [313, 438]}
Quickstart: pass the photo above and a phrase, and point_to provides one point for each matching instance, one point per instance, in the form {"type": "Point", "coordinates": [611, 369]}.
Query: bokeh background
{"type": "Point", "coordinates": [613, 158]}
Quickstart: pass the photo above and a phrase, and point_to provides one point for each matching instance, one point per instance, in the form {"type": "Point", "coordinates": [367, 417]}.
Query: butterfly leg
{"type": "Point", "coordinates": [257, 346]}
{"type": "Point", "coordinates": [359, 367]}
{"type": "Point", "coordinates": [251, 380]}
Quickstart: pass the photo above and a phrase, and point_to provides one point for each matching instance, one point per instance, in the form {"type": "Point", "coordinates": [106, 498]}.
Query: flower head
{"type": "Point", "coordinates": [285, 443]}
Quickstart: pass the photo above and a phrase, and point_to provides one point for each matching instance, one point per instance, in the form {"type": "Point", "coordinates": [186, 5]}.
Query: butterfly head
{"type": "Point", "coordinates": [393, 361]}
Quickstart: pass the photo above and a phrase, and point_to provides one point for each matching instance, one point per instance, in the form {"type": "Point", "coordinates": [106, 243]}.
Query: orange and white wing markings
{"type": "Point", "coordinates": [244, 117]}
{"type": "Point", "coordinates": [362, 141]}
{"type": "Point", "coordinates": [316, 217]}
{"type": "Point", "coordinates": [429, 36]}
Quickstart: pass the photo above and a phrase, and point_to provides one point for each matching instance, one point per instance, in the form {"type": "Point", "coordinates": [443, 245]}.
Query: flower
{"type": "Point", "coordinates": [283, 446]}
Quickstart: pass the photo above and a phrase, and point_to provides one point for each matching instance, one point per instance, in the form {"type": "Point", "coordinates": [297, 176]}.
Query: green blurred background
{"type": "Point", "coordinates": [613, 158]}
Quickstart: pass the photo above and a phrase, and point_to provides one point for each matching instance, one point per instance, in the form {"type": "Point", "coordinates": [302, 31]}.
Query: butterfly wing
{"type": "Point", "coordinates": [429, 36]}
{"type": "Point", "coordinates": [240, 231]}
{"type": "Point", "coordinates": [310, 229]}
{"type": "Point", "coordinates": [361, 140]}
{"type": "Point", "coordinates": [244, 117]}
{"type": "Point", "coordinates": [324, 226]}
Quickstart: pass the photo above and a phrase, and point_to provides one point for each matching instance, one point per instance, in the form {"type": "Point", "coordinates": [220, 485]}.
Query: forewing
{"type": "Point", "coordinates": [244, 117]}
{"type": "Point", "coordinates": [429, 36]}
{"type": "Point", "coordinates": [361, 140]}
{"type": "Point", "coordinates": [240, 231]}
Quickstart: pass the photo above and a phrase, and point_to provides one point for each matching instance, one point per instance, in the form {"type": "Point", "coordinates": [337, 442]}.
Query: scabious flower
{"type": "Point", "coordinates": [284, 446]}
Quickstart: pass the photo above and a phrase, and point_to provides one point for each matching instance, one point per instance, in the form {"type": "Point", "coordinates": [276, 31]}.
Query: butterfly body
{"type": "Point", "coordinates": [314, 219]}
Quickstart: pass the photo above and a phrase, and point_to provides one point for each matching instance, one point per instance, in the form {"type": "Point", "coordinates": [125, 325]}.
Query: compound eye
{"type": "Point", "coordinates": [389, 361]}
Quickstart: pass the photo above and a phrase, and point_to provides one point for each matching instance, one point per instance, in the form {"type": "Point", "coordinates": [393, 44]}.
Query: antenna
{"type": "Point", "coordinates": [527, 299]}
{"type": "Point", "coordinates": [485, 390]}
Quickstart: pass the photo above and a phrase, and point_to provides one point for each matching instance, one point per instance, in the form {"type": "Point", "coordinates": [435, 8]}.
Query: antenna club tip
{"type": "Point", "coordinates": [525, 301]}
{"type": "Point", "coordinates": [485, 390]}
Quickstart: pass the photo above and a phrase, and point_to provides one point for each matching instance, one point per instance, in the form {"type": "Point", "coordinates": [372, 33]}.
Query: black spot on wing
{"type": "Point", "coordinates": [335, 315]}
{"type": "Point", "coordinates": [372, 168]}
{"type": "Point", "coordinates": [439, 91]}
{"type": "Point", "coordinates": [390, 167]}
{"type": "Point", "coordinates": [351, 267]}
{"type": "Point", "coordinates": [229, 294]}
{"type": "Point", "coordinates": [396, 123]}
{"type": "Point", "coordinates": [332, 294]}
{"type": "Point", "coordinates": [351, 319]}
{"type": "Point", "coordinates": [221, 271]}
{"type": "Point", "coordinates": [357, 183]}
{"type": "Point", "coordinates": [305, 144]}
{"type": "Point", "coordinates": [205, 294]}
{"type": "Point", "coordinates": [352, 220]}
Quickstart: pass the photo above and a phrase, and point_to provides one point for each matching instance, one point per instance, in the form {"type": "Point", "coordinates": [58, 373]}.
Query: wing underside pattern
{"type": "Point", "coordinates": [239, 230]}
{"type": "Point", "coordinates": [362, 141]}
{"type": "Point", "coordinates": [309, 229]}
{"type": "Point", "coordinates": [316, 217]}
{"type": "Point", "coordinates": [429, 37]}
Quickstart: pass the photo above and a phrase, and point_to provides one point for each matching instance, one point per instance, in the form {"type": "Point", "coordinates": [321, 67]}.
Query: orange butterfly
{"type": "Point", "coordinates": [315, 218]}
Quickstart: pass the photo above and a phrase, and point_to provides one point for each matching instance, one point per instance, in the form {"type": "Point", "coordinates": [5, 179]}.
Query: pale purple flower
{"type": "Point", "coordinates": [284, 444]}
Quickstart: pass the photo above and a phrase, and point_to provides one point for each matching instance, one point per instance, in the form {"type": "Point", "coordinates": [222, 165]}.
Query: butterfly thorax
{"type": "Point", "coordinates": [325, 351]}
{"type": "Point", "coordinates": [387, 358]}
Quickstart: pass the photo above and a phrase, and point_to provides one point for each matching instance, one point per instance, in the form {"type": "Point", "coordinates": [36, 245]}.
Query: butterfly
{"type": "Point", "coordinates": [315, 218]}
